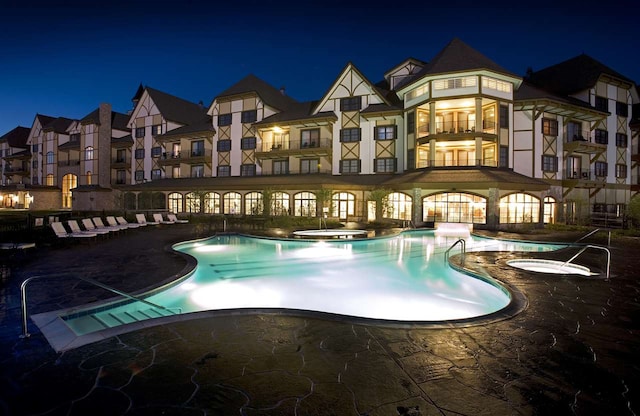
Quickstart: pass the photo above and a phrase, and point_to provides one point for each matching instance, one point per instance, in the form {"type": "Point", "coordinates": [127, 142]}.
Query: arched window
{"type": "Point", "coordinates": [50, 158]}
{"type": "Point", "coordinates": [343, 205]}
{"type": "Point", "coordinates": [88, 153]}
{"type": "Point", "coordinates": [304, 204]}
{"type": "Point", "coordinates": [89, 178]}
{"type": "Point", "coordinates": [397, 205]}
{"type": "Point", "coordinates": [49, 180]}
{"type": "Point", "coordinates": [549, 214]}
{"type": "Point", "coordinates": [175, 202]}
{"type": "Point", "coordinates": [69, 181]}
{"type": "Point", "coordinates": [193, 202]}
{"type": "Point", "coordinates": [253, 203]}
{"type": "Point", "coordinates": [231, 203]}
{"type": "Point", "coordinates": [211, 202]}
{"type": "Point", "coordinates": [519, 208]}
{"type": "Point", "coordinates": [280, 203]}
{"type": "Point", "coordinates": [454, 207]}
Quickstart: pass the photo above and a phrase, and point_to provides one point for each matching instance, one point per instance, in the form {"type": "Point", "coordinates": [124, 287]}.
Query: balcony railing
{"type": "Point", "coordinates": [579, 136]}
{"type": "Point", "coordinates": [16, 169]}
{"type": "Point", "coordinates": [290, 172]}
{"type": "Point", "coordinates": [185, 155]}
{"type": "Point", "coordinates": [273, 146]}
{"type": "Point", "coordinates": [585, 175]}
{"type": "Point", "coordinates": [458, 163]}
{"type": "Point", "coordinates": [73, 162]}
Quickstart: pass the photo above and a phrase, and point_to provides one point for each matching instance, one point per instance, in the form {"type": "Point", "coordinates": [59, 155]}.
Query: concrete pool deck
{"type": "Point", "coordinates": [574, 350]}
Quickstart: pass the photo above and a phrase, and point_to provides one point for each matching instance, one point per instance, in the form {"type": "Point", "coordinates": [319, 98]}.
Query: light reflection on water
{"type": "Point", "coordinates": [400, 278]}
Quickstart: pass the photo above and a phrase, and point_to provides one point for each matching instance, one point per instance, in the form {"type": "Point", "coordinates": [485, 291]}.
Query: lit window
{"type": "Point", "coordinates": [519, 208]}
{"type": "Point", "coordinates": [496, 84]}
{"type": "Point", "coordinates": [385, 133]}
{"type": "Point", "coordinates": [50, 158]}
{"type": "Point", "coordinates": [621, 171]}
{"type": "Point", "coordinates": [304, 204]}
{"type": "Point", "coordinates": [211, 201]}
{"type": "Point", "coordinates": [549, 127]}
{"type": "Point", "coordinates": [197, 171]}
{"type": "Point", "coordinates": [231, 203]}
{"type": "Point", "coordinates": [88, 153]}
{"type": "Point", "coordinates": [156, 129]}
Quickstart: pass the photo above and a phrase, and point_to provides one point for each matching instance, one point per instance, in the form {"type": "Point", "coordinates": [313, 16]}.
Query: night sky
{"type": "Point", "coordinates": [65, 58]}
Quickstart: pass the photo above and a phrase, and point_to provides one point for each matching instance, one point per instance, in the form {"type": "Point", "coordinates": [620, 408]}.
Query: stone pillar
{"type": "Point", "coordinates": [103, 146]}
{"type": "Point", "coordinates": [416, 211]}
{"type": "Point", "coordinates": [478, 114]}
{"type": "Point", "coordinates": [493, 209]}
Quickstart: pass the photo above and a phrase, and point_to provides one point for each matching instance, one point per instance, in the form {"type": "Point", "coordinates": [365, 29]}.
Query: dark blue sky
{"type": "Point", "coordinates": [65, 58]}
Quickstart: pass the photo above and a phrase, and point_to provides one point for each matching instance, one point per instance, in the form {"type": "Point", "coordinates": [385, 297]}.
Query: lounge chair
{"type": "Point", "coordinates": [142, 220]}
{"type": "Point", "coordinates": [174, 219]}
{"type": "Point", "coordinates": [90, 226]}
{"type": "Point", "coordinates": [100, 224]}
{"type": "Point", "coordinates": [61, 232]}
{"type": "Point", "coordinates": [157, 217]}
{"type": "Point", "coordinates": [113, 221]}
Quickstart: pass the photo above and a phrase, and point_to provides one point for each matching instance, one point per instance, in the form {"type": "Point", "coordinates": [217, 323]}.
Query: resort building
{"type": "Point", "coordinates": [456, 139]}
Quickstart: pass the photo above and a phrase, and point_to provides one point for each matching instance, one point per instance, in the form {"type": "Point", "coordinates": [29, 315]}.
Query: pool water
{"type": "Point", "coordinates": [401, 278]}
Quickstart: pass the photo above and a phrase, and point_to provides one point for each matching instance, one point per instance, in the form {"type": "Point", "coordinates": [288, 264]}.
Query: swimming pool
{"type": "Point", "coordinates": [401, 278]}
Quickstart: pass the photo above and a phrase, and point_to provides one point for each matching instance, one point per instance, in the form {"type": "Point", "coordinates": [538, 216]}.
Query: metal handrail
{"type": "Point", "coordinates": [463, 249]}
{"type": "Point", "coordinates": [589, 234]}
{"type": "Point", "coordinates": [23, 297]}
{"type": "Point", "coordinates": [585, 249]}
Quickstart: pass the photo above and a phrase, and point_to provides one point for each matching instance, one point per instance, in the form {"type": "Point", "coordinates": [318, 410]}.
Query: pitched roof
{"type": "Point", "coordinates": [118, 120]}
{"type": "Point", "coordinates": [269, 94]}
{"type": "Point", "coordinates": [297, 112]}
{"type": "Point", "coordinates": [17, 137]}
{"type": "Point", "coordinates": [124, 140]}
{"type": "Point", "coordinates": [473, 178]}
{"type": "Point", "coordinates": [58, 125]}
{"type": "Point", "coordinates": [573, 75]}
{"type": "Point", "coordinates": [529, 92]}
{"type": "Point", "coordinates": [457, 56]}
{"type": "Point", "coordinates": [176, 109]}
{"type": "Point", "coordinates": [44, 120]}
{"type": "Point", "coordinates": [204, 126]}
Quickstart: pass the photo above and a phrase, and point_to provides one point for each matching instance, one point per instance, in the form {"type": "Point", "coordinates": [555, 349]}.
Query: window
{"type": "Point", "coordinates": [197, 148]}
{"type": "Point", "coordinates": [451, 83]}
{"type": "Point", "coordinates": [34, 148]}
{"type": "Point", "coordinates": [574, 131]}
{"type": "Point", "coordinates": [549, 127]}
{"type": "Point", "coordinates": [601, 136]}
{"type": "Point", "coordinates": [549, 163]}
{"type": "Point", "coordinates": [139, 132]}
{"type": "Point", "coordinates": [494, 84]}
{"type": "Point", "coordinates": [385, 132]}
{"type": "Point", "coordinates": [248, 170]}
{"type": "Point", "coordinates": [280, 203]}
{"type": "Point", "coordinates": [175, 171]}
{"type": "Point", "coordinates": [247, 143]}
{"type": "Point", "coordinates": [385, 165]}
{"type": "Point", "coordinates": [224, 119]}
{"type": "Point", "coordinates": [350, 104]}
{"type": "Point", "coordinates": [49, 179]}
{"type": "Point", "coordinates": [304, 204]}
{"type": "Point", "coordinates": [89, 178]}
{"type": "Point", "coordinates": [34, 180]}
{"type": "Point", "coordinates": [504, 156]}
{"type": "Point", "coordinates": [549, 212]}
{"type": "Point", "coordinates": [504, 117]}
{"type": "Point", "coordinates": [156, 151]}
{"type": "Point", "coordinates": [519, 208]}
{"type": "Point", "coordinates": [224, 170]}
{"type": "Point", "coordinates": [75, 137]}
{"type": "Point", "coordinates": [231, 203]}
{"type": "Point", "coordinates": [192, 202]}
{"type": "Point", "coordinates": [350, 166]}
{"type": "Point", "coordinates": [411, 122]}
{"type": "Point", "coordinates": [224, 145]}
{"type": "Point", "coordinates": [398, 206]}
{"type": "Point", "coordinates": [350, 135]}
{"type": "Point", "coordinates": [175, 202]}
{"type": "Point", "coordinates": [34, 163]}
{"type": "Point", "coordinates": [139, 175]}
{"type": "Point", "coordinates": [50, 158]}
{"type": "Point", "coordinates": [140, 153]}
{"type": "Point", "coordinates": [622, 109]}
{"type": "Point", "coordinates": [601, 103]}
{"type": "Point", "coordinates": [197, 171]}
{"type": "Point", "coordinates": [121, 156]}
{"type": "Point", "coordinates": [281, 167]}
{"type": "Point", "coordinates": [621, 140]}
{"type": "Point", "coordinates": [309, 165]}
{"type": "Point", "coordinates": [248, 116]}
{"type": "Point", "coordinates": [121, 177]}
{"type": "Point", "coordinates": [601, 169]}
{"type": "Point", "coordinates": [253, 204]}
{"type": "Point", "coordinates": [156, 174]}
{"type": "Point", "coordinates": [211, 201]}
{"type": "Point", "coordinates": [156, 129]}
{"type": "Point", "coordinates": [310, 138]}
{"type": "Point", "coordinates": [88, 153]}
{"type": "Point", "coordinates": [621, 171]}
{"type": "Point", "coordinates": [411, 159]}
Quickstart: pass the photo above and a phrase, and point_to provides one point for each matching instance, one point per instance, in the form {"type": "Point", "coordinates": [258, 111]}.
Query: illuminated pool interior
{"type": "Point", "coordinates": [401, 278]}
{"type": "Point", "coordinates": [550, 266]}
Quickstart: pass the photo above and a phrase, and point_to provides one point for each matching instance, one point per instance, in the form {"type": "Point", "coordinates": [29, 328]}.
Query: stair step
{"type": "Point", "coordinates": [85, 324]}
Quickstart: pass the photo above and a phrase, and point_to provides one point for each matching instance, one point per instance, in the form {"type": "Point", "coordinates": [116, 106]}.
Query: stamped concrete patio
{"type": "Point", "coordinates": [574, 349]}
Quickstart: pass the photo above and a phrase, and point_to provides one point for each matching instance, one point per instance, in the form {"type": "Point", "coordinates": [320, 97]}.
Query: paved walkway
{"type": "Point", "coordinates": [574, 350]}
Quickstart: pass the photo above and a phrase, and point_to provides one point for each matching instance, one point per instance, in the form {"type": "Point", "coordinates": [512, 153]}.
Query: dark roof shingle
{"type": "Point", "coordinates": [17, 137]}
{"type": "Point", "coordinates": [269, 94]}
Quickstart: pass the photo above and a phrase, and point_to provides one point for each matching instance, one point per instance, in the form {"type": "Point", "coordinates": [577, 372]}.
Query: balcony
{"type": "Point", "coordinates": [120, 162]}
{"type": "Point", "coordinates": [194, 156]}
{"type": "Point", "coordinates": [16, 170]}
{"type": "Point", "coordinates": [72, 162]}
{"type": "Point", "coordinates": [463, 162]}
{"type": "Point", "coordinates": [272, 150]}
{"type": "Point", "coordinates": [583, 178]}
{"type": "Point", "coordinates": [459, 129]}
{"type": "Point", "coordinates": [583, 143]}
{"type": "Point", "coordinates": [290, 172]}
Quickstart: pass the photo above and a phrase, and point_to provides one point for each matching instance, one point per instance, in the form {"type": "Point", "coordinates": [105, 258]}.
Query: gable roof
{"type": "Point", "coordinates": [118, 120]}
{"type": "Point", "coordinates": [573, 75]}
{"type": "Point", "coordinates": [44, 120]}
{"type": "Point", "coordinates": [203, 126]}
{"type": "Point", "coordinates": [268, 93]}
{"type": "Point", "coordinates": [176, 109]}
{"type": "Point", "coordinates": [58, 125]}
{"type": "Point", "coordinates": [297, 113]}
{"type": "Point", "coordinates": [17, 137]}
{"type": "Point", "coordinates": [457, 56]}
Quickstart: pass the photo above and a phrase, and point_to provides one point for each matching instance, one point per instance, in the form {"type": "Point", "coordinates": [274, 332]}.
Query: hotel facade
{"type": "Point", "coordinates": [456, 139]}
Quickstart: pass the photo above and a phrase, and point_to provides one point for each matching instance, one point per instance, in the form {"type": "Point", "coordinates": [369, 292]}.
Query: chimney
{"type": "Point", "coordinates": [201, 104]}
{"type": "Point", "coordinates": [282, 90]}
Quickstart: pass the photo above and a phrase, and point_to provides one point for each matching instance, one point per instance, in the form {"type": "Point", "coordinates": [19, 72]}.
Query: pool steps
{"type": "Point", "coordinates": [104, 319]}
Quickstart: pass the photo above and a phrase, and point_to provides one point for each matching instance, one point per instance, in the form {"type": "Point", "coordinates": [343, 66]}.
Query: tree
{"type": "Point", "coordinates": [633, 210]}
{"type": "Point", "coordinates": [379, 196]}
{"type": "Point", "coordinates": [323, 197]}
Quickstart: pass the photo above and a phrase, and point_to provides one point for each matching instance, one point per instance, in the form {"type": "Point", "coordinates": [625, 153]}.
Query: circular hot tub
{"type": "Point", "coordinates": [550, 266]}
